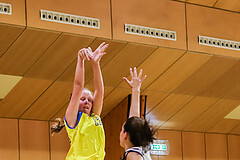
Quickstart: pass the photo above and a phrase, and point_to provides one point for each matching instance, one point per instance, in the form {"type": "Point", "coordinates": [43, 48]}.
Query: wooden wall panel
{"type": "Point", "coordinates": [153, 99]}
{"type": "Point", "coordinates": [179, 72]}
{"type": "Point", "coordinates": [189, 113]}
{"type": "Point", "coordinates": [99, 10]}
{"type": "Point", "coordinates": [50, 102]}
{"type": "Point", "coordinates": [193, 146]}
{"type": "Point", "coordinates": [233, 5]}
{"type": "Point", "coordinates": [233, 147]}
{"type": "Point", "coordinates": [175, 147]}
{"type": "Point", "coordinates": [9, 139]}
{"type": "Point", "coordinates": [169, 106]}
{"type": "Point", "coordinates": [164, 14]}
{"type": "Point", "coordinates": [26, 50]}
{"type": "Point", "coordinates": [209, 3]}
{"type": "Point", "coordinates": [113, 99]}
{"type": "Point", "coordinates": [113, 124]}
{"type": "Point", "coordinates": [212, 23]}
{"type": "Point", "coordinates": [205, 76]}
{"type": "Point", "coordinates": [59, 145]}
{"type": "Point", "coordinates": [34, 140]}
{"type": "Point", "coordinates": [159, 61]}
{"type": "Point", "coordinates": [18, 13]}
{"type": "Point", "coordinates": [235, 130]}
{"type": "Point", "coordinates": [119, 66]}
{"type": "Point", "coordinates": [213, 115]}
{"type": "Point", "coordinates": [58, 57]}
{"type": "Point", "coordinates": [9, 34]}
{"type": "Point", "coordinates": [22, 96]}
{"type": "Point", "coordinates": [224, 126]}
{"type": "Point", "coordinates": [225, 83]}
{"type": "Point", "coordinates": [234, 94]}
{"type": "Point", "coordinates": [216, 147]}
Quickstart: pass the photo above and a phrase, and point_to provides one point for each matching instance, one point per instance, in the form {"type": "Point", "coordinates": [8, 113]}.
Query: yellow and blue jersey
{"type": "Point", "coordinates": [87, 138]}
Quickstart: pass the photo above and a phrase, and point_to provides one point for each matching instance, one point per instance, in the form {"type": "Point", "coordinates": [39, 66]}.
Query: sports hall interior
{"type": "Point", "coordinates": [191, 94]}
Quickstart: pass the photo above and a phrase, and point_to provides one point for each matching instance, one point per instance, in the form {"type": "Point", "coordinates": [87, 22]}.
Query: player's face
{"type": "Point", "coordinates": [86, 102]}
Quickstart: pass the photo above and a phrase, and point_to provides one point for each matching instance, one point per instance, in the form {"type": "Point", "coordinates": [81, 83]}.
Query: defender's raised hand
{"type": "Point", "coordinates": [137, 80]}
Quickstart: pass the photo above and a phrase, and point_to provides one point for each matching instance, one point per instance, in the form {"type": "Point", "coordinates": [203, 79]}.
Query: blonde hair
{"type": "Point", "coordinates": [58, 126]}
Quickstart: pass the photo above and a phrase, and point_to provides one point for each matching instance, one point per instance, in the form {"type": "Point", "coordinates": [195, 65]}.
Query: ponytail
{"type": "Point", "coordinates": [58, 126]}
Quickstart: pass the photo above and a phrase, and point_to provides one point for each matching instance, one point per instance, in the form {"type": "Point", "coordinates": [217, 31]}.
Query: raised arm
{"type": "Point", "coordinates": [78, 85]}
{"type": "Point", "coordinates": [98, 80]}
{"type": "Point", "coordinates": [135, 84]}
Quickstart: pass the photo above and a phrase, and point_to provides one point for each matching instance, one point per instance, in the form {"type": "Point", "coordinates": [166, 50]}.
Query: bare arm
{"type": "Point", "coordinates": [78, 85]}
{"type": "Point", "coordinates": [135, 84]}
{"type": "Point", "coordinates": [134, 156]}
{"type": "Point", "coordinates": [98, 80]}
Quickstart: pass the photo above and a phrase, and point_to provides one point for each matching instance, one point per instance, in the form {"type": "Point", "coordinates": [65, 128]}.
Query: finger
{"type": "Point", "coordinates": [86, 54]}
{"type": "Point", "coordinates": [140, 74]}
{"type": "Point", "coordinates": [104, 47]}
{"type": "Point", "coordinates": [135, 72]}
{"type": "Point", "coordinates": [89, 54]}
{"type": "Point", "coordinates": [90, 49]}
{"type": "Point", "coordinates": [144, 78]}
{"type": "Point", "coordinates": [131, 73]}
{"type": "Point", "coordinates": [126, 80]}
{"type": "Point", "coordinates": [100, 46]}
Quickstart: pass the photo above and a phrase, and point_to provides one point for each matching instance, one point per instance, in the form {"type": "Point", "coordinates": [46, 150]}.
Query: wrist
{"type": "Point", "coordinates": [135, 89]}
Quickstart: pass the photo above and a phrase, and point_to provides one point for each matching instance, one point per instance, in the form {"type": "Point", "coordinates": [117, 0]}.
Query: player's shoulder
{"type": "Point", "coordinates": [134, 156]}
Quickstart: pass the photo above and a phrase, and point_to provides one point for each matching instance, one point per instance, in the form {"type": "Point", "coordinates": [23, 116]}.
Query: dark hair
{"type": "Point", "coordinates": [140, 132]}
{"type": "Point", "coordinates": [57, 127]}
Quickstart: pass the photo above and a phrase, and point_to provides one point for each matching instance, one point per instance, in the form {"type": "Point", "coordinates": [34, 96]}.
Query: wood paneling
{"type": "Point", "coordinates": [235, 130]}
{"type": "Point", "coordinates": [130, 56]}
{"type": "Point", "coordinates": [205, 76]}
{"type": "Point", "coordinates": [213, 115]}
{"type": "Point", "coordinates": [99, 10]}
{"type": "Point", "coordinates": [212, 23]}
{"type": "Point", "coordinates": [9, 139]}
{"type": "Point", "coordinates": [113, 98]}
{"type": "Point", "coordinates": [18, 13]}
{"type": "Point", "coordinates": [225, 83]}
{"type": "Point", "coordinates": [156, 64]}
{"type": "Point", "coordinates": [233, 147]}
{"type": "Point", "coordinates": [169, 106]}
{"type": "Point", "coordinates": [216, 147]}
{"type": "Point", "coordinates": [59, 145]}
{"type": "Point", "coordinates": [193, 146]}
{"type": "Point", "coordinates": [189, 113]}
{"type": "Point", "coordinates": [153, 98]}
{"type": "Point", "coordinates": [113, 124]}
{"type": "Point", "coordinates": [58, 57]}
{"type": "Point", "coordinates": [9, 34]}
{"type": "Point", "coordinates": [50, 102]}
{"type": "Point", "coordinates": [164, 14]}
{"type": "Point", "coordinates": [174, 139]}
{"type": "Point", "coordinates": [233, 5]}
{"type": "Point", "coordinates": [26, 50]}
{"type": "Point", "coordinates": [179, 72]}
{"type": "Point", "coordinates": [22, 96]}
{"type": "Point", "coordinates": [203, 2]}
{"type": "Point", "coordinates": [34, 140]}
{"type": "Point", "coordinates": [224, 126]}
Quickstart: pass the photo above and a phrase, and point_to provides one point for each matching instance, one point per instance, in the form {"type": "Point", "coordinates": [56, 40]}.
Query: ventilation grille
{"type": "Point", "coordinates": [70, 19]}
{"type": "Point", "coordinates": [150, 32]}
{"type": "Point", "coordinates": [216, 42]}
{"type": "Point", "coordinates": [5, 8]}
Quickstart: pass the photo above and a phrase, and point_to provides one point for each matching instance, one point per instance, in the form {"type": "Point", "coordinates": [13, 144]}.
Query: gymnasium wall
{"type": "Point", "coordinates": [28, 140]}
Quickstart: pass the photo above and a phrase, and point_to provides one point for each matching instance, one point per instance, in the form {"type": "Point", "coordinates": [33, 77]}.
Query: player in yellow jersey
{"type": "Point", "coordinates": [82, 119]}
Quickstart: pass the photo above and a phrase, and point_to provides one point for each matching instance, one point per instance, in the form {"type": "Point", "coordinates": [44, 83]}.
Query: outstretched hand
{"type": "Point", "coordinates": [98, 53]}
{"type": "Point", "coordinates": [137, 80]}
{"type": "Point", "coordinates": [84, 54]}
